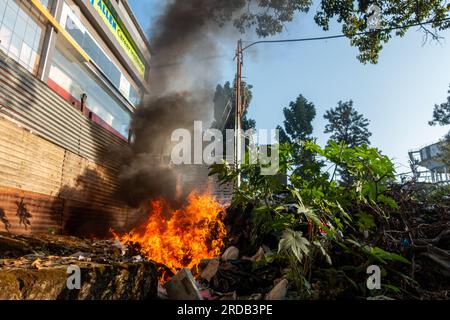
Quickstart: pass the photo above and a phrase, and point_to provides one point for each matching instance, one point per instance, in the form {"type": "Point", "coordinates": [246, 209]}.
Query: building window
{"type": "Point", "coordinates": [75, 79]}
{"type": "Point", "coordinates": [45, 2]}
{"type": "Point", "coordinates": [81, 35]}
{"type": "Point", "coordinates": [20, 34]}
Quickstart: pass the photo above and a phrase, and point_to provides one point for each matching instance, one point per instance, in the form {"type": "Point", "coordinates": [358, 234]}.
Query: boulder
{"type": "Point", "coordinates": [211, 269]}
{"type": "Point", "coordinates": [128, 281]}
{"type": "Point", "coordinates": [231, 253]}
{"type": "Point", "coordinates": [279, 291]}
{"type": "Point", "coordinates": [183, 287]}
{"type": "Point", "coordinates": [37, 268]}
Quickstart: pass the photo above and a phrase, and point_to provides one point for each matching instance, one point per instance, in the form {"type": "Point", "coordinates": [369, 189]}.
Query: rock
{"type": "Point", "coordinates": [206, 295]}
{"type": "Point", "coordinates": [40, 270]}
{"type": "Point", "coordinates": [183, 286]}
{"type": "Point", "coordinates": [210, 270]}
{"type": "Point", "coordinates": [259, 255]}
{"type": "Point", "coordinates": [277, 281]}
{"type": "Point", "coordinates": [231, 253]}
{"type": "Point", "coordinates": [279, 291]}
{"type": "Point", "coordinates": [162, 293]}
{"type": "Point", "coordinates": [229, 296]}
{"type": "Point", "coordinates": [256, 296]}
{"type": "Point", "coordinates": [122, 281]}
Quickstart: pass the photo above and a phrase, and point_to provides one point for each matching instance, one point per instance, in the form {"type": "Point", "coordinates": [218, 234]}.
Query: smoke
{"type": "Point", "coordinates": [182, 83]}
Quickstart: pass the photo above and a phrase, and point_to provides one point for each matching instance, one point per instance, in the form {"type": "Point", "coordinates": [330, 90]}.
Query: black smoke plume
{"type": "Point", "coordinates": [181, 91]}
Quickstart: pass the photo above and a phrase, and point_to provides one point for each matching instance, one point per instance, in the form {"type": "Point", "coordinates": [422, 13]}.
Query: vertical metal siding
{"type": "Point", "coordinates": [59, 164]}
{"type": "Point", "coordinates": [38, 108]}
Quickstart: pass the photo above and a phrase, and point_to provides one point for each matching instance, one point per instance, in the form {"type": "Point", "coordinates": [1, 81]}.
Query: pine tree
{"type": "Point", "coordinates": [349, 127]}
{"type": "Point", "coordinates": [226, 94]}
{"type": "Point", "coordinates": [346, 125]}
{"type": "Point", "coordinates": [297, 129]}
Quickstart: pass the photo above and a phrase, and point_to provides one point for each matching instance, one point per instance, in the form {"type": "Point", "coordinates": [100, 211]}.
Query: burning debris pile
{"type": "Point", "coordinates": [180, 238]}
{"type": "Point", "coordinates": [188, 246]}
{"type": "Point", "coordinates": [201, 251]}
{"type": "Point", "coordinates": [227, 277]}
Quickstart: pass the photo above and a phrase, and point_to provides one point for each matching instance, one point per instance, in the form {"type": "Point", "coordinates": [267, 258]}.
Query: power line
{"type": "Point", "coordinates": [345, 36]}
{"type": "Point", "coordinates": [206, 58]}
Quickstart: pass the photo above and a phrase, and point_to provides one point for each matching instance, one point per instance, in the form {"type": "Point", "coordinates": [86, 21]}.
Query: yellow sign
{"type": "Point", "coordinates": [119, 33]}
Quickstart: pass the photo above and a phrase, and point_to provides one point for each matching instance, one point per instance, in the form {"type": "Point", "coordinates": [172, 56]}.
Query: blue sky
{"type": "Point", "coordinates": [397, 94]}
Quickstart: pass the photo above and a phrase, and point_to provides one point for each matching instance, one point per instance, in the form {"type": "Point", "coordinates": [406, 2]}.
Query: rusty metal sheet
{"type": "Point", "coordinates": [28, 212]}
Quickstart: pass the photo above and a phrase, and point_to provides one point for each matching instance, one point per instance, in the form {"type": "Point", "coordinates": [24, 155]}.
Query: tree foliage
{"type": "Point", "coordinates": [352, 15]}
{"type": "Point", "coordinates": [268, 18]}
{"type": "Point", "coordinates": [441, 113]}
{"type": "Point", "coordinates": [298, 129]}
{"type": "Point", "coordinates": [226, 94]}
{"type": "Point", "coordinates": [320, 225]}
{"type": "Point", "coordinates": [298, 120]}
{"type": "Point", "coordinates": [441, 116]}
{"type": "Point", "coordinates": [346, 125]}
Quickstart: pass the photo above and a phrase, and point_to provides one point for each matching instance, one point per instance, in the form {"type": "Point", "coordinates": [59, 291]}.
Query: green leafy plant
{"type": "Point", "coordinates": [320, 224]}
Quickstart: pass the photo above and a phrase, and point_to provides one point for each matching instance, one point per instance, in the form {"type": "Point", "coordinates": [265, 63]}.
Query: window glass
{"type": "Point", "coordinates": [44, 2]}
{"type": "Point", "coordinates": [134, 96]}
{"type": "Point", "coordinates": [76, 79]}
{"type": "Point", "coordinates": [13, 5]}
{"type": "Point", "coordinates": [21, 25]}
{"type": "Point", "coordinates": [37, 38]}
{"type": "Point", "coordinates": [16, 45]}
{"type": "Point", "coordinates": [25, 55]}
{"type": "Point", "coordinates": [5, 37]}
{"type": "Point", "coordinates": [2, 9]}
{"type": "Point", "coordinates": [30, 33]}
{"type": "Point", "coordinates": [20, 34]}
{"type": "Point", "coordinates": [91, 48]}
{"type": "Point", "coordinates": [10, 17]}
{"type": "Point", "coordinates": [73, 30]}
{"type": "Point", "coordinates": [76, 29]}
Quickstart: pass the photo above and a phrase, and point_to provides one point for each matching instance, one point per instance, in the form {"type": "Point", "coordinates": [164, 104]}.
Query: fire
{"type": "Point", "coordinates": [181, 238]}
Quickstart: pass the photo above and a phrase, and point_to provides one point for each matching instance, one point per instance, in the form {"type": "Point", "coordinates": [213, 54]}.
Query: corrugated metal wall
{"type": "Point", "coordinates": [30, 102]}
{"type": "Point", "coordinates": [58, 169]}
{"type": "Point", "coordinates": [44, 186]}
{"type": "Point", "coordinates": [25, 212]}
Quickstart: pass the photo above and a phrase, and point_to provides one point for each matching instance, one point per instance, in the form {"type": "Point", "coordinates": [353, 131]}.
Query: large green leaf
{"type": "Point", "coordinates": [293, 242]}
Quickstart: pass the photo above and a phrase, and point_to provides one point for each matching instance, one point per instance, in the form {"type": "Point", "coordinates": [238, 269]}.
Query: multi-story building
{"type": "Point", "coordinates": [427, 166]}
{"type": "Point", "coordinates": [72, 73]}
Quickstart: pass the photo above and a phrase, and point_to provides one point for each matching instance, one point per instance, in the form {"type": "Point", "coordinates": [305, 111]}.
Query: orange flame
{"type": "Point", "coordinates": [189, 234]}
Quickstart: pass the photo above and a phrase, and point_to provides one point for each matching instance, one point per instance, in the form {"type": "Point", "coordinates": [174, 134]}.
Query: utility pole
{"type": "Point", "coordinates": [238, 112]}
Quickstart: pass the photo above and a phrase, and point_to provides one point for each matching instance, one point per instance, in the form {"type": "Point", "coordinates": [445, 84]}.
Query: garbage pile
{"type": "Point", "coordinates": [36, 267]}
{"type": "Point", "coordinates": [229, 277]}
